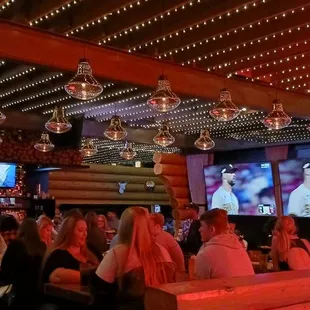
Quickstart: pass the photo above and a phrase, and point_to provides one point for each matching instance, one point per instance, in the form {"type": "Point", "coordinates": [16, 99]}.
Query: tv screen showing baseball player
{"type": "Point", "coordinates": [295, 187]}
{"type": "Point", "coordinates": [241, 189]}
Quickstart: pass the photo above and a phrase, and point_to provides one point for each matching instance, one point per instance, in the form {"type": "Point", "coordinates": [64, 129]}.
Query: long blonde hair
{"type": "Point", "coordinates": [42, 222]}
{"type": "Point", "coordinates": [103, 217]}
{"type": "Point", "coordinates": [285, 228]}
{"type": "Point", "coordinates": [134, 232]}
{"type": "Point", "coordinates": [64, 238]}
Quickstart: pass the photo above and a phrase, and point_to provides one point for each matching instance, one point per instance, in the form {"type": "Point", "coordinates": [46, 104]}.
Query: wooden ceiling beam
{"type": "Point", "coordinates": [244, 18]}
{"type": "Point", "coordinates": [245, 36]}
{"type": "Point", "coordinates": [44, 8]}
{"type": "Point", "coordinates": [136, 15]}
{"type": "Point", "coordinates": [21, 43]}
{"type": "Point", "coordinates": [178, 21]}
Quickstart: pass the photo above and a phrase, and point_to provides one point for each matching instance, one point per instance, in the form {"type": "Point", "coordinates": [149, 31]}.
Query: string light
{"type": "Point", "coordinates": [2, 63]}
{"type": "Point", "coordinates": [15, 90]}
{"type": "Point", "coordinates": [54, 12]}
{"type": "Point", "coordinates": [17, 75]}
{"type": "Point", "coordinates": [6, 5]}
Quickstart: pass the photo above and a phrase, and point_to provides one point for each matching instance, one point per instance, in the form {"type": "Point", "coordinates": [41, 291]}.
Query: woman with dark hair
{"type": "Point", "coordinates": [96, 238]}
{"type": "Point", "coordinates": [21, 265]}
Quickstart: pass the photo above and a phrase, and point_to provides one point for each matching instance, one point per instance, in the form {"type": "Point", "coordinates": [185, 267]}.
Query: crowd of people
{"type": "Point", "coordinates": [141, 254]}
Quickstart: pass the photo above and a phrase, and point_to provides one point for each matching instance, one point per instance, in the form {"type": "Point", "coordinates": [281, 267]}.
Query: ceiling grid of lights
{"type": "Point", "coordinates": [17, 75]}
{"type": "Point", "coordinates": [6, 4]}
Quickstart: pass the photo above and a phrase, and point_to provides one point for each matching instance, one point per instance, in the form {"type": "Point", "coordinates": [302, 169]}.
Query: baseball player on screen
{"type": "Point", "coordinates": [299, 200]}
{"type": "Point", "coordinates": [223, 197]}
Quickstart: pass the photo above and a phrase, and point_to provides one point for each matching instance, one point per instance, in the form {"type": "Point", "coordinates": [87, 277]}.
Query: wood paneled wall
{"type": "Point", "coordinates": [98, 184]}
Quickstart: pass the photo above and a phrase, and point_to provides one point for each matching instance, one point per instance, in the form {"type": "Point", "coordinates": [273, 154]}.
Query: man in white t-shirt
{"type": "Point", "coordinates": [224, 198]}
{"type": "Point", "coordinates": [299, 200]}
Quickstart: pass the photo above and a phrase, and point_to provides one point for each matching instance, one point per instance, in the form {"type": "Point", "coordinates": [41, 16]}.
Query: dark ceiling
{"type": "Point", "coordinates": [264, 41]}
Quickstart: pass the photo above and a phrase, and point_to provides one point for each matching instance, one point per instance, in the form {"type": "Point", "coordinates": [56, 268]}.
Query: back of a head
{"type": "Point", "coordinates": [44, 221]}
{"type": "Point", "coordinates": [158, 219]}
{"type": "Point", "coordinates": [28, 233]}
{"type": "Point", "coordinates": [217, 218]}
{"type": "Point", "coordinates": [285, 224]}
{"type": "Point", "coordinates": [134, 232]}
{"type": "Point", "coordinates": [8, 223]}
{"type": "Point", "coordinates": [72, 212]}
{"type": "Point", "coordinates": [91, 219]}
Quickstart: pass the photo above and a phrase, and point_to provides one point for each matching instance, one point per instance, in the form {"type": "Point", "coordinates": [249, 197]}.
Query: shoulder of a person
{"type": "Point", "coordinates": [164, 253]}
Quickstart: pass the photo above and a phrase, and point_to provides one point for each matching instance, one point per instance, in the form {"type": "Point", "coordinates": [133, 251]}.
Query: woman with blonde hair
{"type": "Point", "coordinates": [103, 223]}
{"type": "Point", "coordinates": [96, 238]}
{"type": "Point", "coordinates": [136, 262]}
{"type": "Point", "coordinates": [69, 251]}
{"type": "Point", "coordinates": [45, 226]}
{"type": "Point", "coordinates": [288, 251]}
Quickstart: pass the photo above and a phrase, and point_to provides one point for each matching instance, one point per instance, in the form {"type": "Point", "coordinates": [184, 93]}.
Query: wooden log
{"type": "Point", "coordinates": [78, 194]}
{"type": "Point", "coordinates": [178, 181]}
{"type": "Point", "coordinates": [258, 292]}
{"type": "Point", "coordinates": [168, 169]}
{"type": "Point", "coordinates": [99, 177]}
{"type": "Point", "coordinates": [100, 186]}
{"type": "Point", "coordinates": [164, 158]}
{"type": "Point", "coordinates": [178, 192]}
{"type": "Point", "coordinates": [178, 202]}
{"type": "Point", "coordinates": [82, 202]}
{"type": "Point", "coordinates": [124, 170]}
{"type": "Point", "coordinates": [181, 214]}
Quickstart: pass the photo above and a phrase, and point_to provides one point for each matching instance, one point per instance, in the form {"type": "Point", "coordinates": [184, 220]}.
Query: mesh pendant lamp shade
{"type": "Point", "coordinates": [115, 131]}
{"type": "Point", "coordinates": [58, 123]}
{"type": "Point", "coordinates": [204, 142]}
{"type": "Point", "coordinates": [83, 85]}
{"type": "Point", "coordinates": [163, 99]}
{"type": "Point", "coordinates": [277, 118]}
{"type": "Point", "coordinates": [128, 152]}
{"type": "Point", "coordinates": [44, 144]}
{"type": "Point", "coordinates": [88, 149]}
{"type": "Point", "coordinates": [225, 110]}
{"type": "Point", "coordinates": [164, 137]}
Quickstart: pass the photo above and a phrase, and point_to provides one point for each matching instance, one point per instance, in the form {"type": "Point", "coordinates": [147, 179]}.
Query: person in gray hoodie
{"type": "Point", "coordinates": [222, 255]}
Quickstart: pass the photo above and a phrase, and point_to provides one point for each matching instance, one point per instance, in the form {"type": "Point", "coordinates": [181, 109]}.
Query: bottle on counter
{"type": "Point", "coordinates": [192, 267]}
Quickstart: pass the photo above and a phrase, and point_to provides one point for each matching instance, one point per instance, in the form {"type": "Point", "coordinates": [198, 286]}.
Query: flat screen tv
{"type": "Point", "coordinates": [241, 189]}
{"type": "Point", "coordinates": [295, 187]}
{"type": "Point", "coordinates": [7, 175]}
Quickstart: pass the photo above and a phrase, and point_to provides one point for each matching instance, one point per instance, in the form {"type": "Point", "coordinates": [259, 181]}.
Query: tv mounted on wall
{"type": "Point", "coordinates": [7, 175]}
{"type": "Point", "coordinates": [241, 189]}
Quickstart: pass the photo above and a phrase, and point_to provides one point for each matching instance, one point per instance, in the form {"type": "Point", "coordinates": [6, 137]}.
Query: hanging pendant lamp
{"type": "Point", "coordinates": [88, 149]}
{"type": "Point", "coordinates": [84, 86]}
{"type": "Point", "coordinates": [277, 118]}
{"type": "Point", "coordinates": [128, 152]}
{"type": "Point", "coordinates": [225, 110]}
{"type": "Point", "coordinates": [44, 144]}
{"type": "Point", "coordinates": [164, 137]}
{"type": "Point", "coordinates": [115, 131]}
{"type": "Point", "coordinates": [2, 117]}
{"type": "Point", "coordinates": [58, 122]}
{"type": "Point", "coordinates": [163, 99]}
{"type": "Point", "coordinates": [204, 142]}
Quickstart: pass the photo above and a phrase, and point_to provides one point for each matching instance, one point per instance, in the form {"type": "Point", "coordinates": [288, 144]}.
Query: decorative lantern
{"type": "Point", "coordinates": [163, 99]}
{"type": "Point", "coordinates": [277, 118]}
{"type": "Point", "coordinates": [84, 86]}
{"type": "Point", "coordinates": [164, 137]}
{"type": "Point", "coordinates": [115, 131]}
{"type": "Point", "coordinates": [44, 144]}
{"type": "Point", "coordinates": [88, 149]}
{"type": "Point", "coordinates": [149, 186]}
{"type": "Point", "coordinates": [204, 142]}
{"type": "Point", "coordinates": [225, 110]}
{"type": "Point", "coordinates": [128, 152]}
{"type": "Point", "coordinates": [58, 123]}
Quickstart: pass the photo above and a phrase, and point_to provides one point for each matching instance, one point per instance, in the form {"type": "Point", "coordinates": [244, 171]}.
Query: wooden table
{"type": "Point", "coordinates": [71, 292]}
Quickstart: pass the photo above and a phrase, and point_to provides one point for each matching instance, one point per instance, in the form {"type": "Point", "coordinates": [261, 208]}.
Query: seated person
{"type": "Point", "coordinates": [191, 242]}
{"type": "Point", "coordinates": [69, 251]}
{"type": "Point", "coordinates": [135, 262]}
{"type": "Point", "coordinates": [288, 251]}
{"type": "Point", "coordinates": [163, 238]}
{"type": "Point", "coordinates": [222, 254]}
{"type": "Point", "coordinates": [8, 228]}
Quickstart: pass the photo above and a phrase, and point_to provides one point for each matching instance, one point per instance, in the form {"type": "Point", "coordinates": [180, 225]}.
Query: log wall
{"type": "Point", "coordinates": [171, 169]}
{"type": "Point", "coordinates": [98, 184]}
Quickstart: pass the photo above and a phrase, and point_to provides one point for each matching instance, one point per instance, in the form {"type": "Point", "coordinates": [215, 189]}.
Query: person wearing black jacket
{"type": "Point", "coordinates": [192, 239]}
